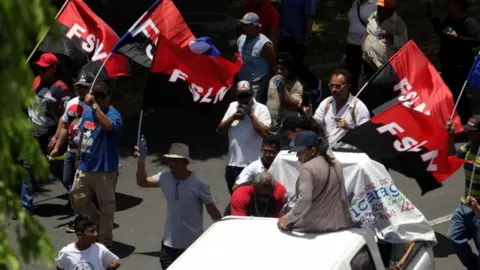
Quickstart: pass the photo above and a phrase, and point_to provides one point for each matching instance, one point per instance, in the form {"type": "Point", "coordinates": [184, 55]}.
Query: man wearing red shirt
{"type": "Point", "coordinates": [264, 197]}
{"type": "Point", "coordinates": [269, 17]}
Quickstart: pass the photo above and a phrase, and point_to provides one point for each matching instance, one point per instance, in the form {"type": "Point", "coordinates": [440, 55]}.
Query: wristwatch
{"type": "Point", "coordinates": [94, 107]}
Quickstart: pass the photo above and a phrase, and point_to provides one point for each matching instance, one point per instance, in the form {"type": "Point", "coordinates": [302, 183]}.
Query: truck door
{"type": "Point", "coordinates": [363, 260]}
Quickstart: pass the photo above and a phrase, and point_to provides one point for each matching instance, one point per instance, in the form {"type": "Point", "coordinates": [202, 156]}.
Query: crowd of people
{"type": "Point", "coordinates": [279, 106]}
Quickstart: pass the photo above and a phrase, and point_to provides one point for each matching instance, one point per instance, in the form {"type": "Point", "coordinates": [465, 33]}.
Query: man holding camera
{"type": "Point", "coordinates": [247, 122]}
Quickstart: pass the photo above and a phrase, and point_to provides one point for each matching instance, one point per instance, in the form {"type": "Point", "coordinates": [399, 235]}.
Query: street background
{"type": "Point", "coordinates": [141, 212]}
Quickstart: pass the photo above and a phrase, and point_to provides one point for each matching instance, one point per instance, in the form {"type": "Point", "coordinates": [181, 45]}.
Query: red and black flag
{"type": "Point", "coordinates": [86, 38]}
{"type": "Point", "coordinates": [408, 142]}
{"type": "Point", "coordinates": [161, 41]}
{"type": "Point", "coordinates": [162, 18]}
{"type": "Point", "coordinates": [410, 79]}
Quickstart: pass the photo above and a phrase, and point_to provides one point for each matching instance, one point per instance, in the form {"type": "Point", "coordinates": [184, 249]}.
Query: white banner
{"type": "Point", "coordinates": [374, 199]}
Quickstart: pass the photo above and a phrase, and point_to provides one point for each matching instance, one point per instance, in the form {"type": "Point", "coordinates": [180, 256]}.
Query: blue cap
{"type": "Point", "coordinates": [305, 139]}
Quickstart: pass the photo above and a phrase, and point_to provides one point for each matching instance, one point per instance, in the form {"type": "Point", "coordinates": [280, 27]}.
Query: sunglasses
{"type": "Point", "coordinates": [336, 86]}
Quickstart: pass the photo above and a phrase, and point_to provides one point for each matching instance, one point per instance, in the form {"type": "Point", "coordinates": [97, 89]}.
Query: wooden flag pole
{"type": "Point", "coordinates": [46, 32]}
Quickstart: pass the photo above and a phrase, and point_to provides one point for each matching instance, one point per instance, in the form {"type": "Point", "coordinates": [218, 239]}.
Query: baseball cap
{"type": "Point", "coordinates": [250, 18]}
{"type": "Point", "coordinates": [100, 87]}
{"type": "Point", "coordinates": [304, 140]}
{"type": "Point", "coordinates": [386, 3]}
{"type": "Point", "coordinates": [290, 121]}
{"type": "Point", "coordinates": [473, 123]}
{"type": "Point", "coordinates": [85, 79]}
{"type": "Point", "coordinates": [244, 86]}
{"type": "Point", "coordinates": [47, 60]}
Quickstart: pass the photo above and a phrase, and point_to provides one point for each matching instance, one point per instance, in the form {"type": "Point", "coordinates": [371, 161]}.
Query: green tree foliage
{"type": "Point", "coordinates": [20, 22]}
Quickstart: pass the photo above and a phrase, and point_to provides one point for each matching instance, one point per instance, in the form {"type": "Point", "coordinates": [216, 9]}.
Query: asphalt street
{"type": "Point", "coordinates": [141, 212]}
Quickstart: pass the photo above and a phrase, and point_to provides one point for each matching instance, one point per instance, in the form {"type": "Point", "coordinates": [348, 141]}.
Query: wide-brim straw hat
{"type": "Point", "coordinates": [178, 150]}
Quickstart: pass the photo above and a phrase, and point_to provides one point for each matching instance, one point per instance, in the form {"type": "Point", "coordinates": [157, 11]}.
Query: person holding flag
{"type": "Point", "coordinates": [97, 172]}
{"type": "Point", "coordinates": [465, 223]}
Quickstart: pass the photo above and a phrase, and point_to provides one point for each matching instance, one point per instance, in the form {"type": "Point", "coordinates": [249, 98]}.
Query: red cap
{"type": "Point", "coordinates": [47, 60]}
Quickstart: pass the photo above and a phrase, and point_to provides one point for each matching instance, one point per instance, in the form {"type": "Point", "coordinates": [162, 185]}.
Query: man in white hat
{"type": "Point", "coordinates": [247, 122]}
{"type": "Point", "coordinates": [185, 192]}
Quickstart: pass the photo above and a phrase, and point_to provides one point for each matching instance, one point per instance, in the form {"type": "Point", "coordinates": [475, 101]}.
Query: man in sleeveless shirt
{"type": "Point", "coordinates": [258, 56]}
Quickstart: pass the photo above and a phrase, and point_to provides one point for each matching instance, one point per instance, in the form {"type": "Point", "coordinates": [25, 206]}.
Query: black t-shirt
{"type": "Point", "coordinates": [51, 100]}
{"type": "Point", "coordinates": [457, 52]}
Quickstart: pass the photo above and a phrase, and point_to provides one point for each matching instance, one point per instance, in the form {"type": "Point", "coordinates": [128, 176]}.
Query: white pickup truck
{"type": "Point", "coordinates": [252, 243]}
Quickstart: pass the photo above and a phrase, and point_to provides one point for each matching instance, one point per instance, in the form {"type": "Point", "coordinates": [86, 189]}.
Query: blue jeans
{"type": "Point", "coordinates": [465, 226]}
{"type": "Point", "coordinates": [28, 187]}
{"type": "Point", "coordinates": [69, 174]}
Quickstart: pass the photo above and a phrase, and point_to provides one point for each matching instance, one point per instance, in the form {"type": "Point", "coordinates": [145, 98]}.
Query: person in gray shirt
{"type": "Point", "coordinates": [185, 192]}
{"type": "Point", "coordinates": [321, 199]}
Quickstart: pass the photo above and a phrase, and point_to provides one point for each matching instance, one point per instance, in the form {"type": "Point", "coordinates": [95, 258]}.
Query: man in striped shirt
{"type": "Point", "coordinates": [465, 224]}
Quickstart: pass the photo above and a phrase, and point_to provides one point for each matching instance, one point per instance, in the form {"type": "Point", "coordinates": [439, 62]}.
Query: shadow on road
{"type": "Point", "coordinates": [52, 210]}
{"type": "Point", "coordinates": [177, 118]}
{"type": "Point", "coordinates": [122, 250]}
{"type": "Point", "coordinates": [151, 253]}
{"type": "Point", "coordinates": [125, 202]}
{"type": "Point", "coordinates": [443, 248]}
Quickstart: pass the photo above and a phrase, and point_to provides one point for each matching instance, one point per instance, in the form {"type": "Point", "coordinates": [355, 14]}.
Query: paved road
{"type": "Point", "coordinates": [140, 212]}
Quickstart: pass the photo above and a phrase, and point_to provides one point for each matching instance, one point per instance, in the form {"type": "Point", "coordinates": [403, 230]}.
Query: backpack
{"type": "Point", "coordinates": [352, 111]}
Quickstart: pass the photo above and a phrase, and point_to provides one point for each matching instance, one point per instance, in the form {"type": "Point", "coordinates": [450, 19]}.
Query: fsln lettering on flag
{"type": "Point", "coordinates": [85, 38]}
{"type": "Point", "coordinates": [410, 79]}
{"type": "Point", "coordinates": [409, 142]}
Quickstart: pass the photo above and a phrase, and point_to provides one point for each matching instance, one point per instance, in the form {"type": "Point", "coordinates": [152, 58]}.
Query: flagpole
{"type": "Point", "coordinates": [458, 100]}
{"type": "Point", "coordinates": [140, 121]}
{"type": "Point", "coordinates": [98, 73]}
{"type": "Point", "coordinates": [46, 32]}
{"type": "Point", "coordinates": [364, 86]}
{"type": "Point", "coordinates": [473, 171]}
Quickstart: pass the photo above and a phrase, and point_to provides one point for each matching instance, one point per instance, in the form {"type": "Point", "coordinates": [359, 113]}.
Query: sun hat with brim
{"type": "Point", "coordinates": [304, 140]}
{"type": "Point", "coordinates": [473, 123]}
{"type": "Point", "coordinates": [177, 151]}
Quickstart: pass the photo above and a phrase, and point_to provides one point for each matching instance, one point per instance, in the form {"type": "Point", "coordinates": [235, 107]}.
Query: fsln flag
{"type": "Point", "coordinates": [410, 79]}
{"type": "Point", "coordinates": [209, 75]}
{"type": "Point", "coordinates": [408, 142]}
{"type": "Point", "coordinates": [85, 38]}
{"type": "Point", "coordinates": [163, 17]}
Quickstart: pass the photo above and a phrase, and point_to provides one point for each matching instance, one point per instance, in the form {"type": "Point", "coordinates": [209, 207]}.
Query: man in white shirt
{"type": "Point", "coordinates": [185, 192]}
{"type": "Point", "coordinates": [246, 121]}
{"type": "Point", "coordinates": [85, 253]}
{"type": "Point", "coordinates": [270, 149]}
{"type": "Point", "coordinates": [341, 112]}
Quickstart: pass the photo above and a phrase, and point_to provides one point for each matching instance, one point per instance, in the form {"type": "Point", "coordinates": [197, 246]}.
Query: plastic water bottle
{"type": "Point", "coordinates": [277, 80]}
{"type": "Point", "coordinates": [142, 147]}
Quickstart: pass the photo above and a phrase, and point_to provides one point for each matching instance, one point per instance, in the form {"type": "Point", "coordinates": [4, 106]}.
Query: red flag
{"type": "Point", "coordinates": [85, 38]}
{"type": "Point", "coordinates": [209, 76]}
{"type": "Point", "coordinates": [163, 17]}
{"type": "Point", "coordinates": [409, 142]}
{"type": "Point", "coordinates": [421, 87]}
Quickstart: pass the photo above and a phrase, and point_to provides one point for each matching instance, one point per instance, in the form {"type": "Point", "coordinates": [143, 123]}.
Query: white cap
{"type": "Point", "coordinates": [244, 86]}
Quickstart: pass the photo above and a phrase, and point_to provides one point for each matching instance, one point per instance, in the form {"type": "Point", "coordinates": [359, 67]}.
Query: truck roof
{"type": "Point", "coordinates": [256, 243]}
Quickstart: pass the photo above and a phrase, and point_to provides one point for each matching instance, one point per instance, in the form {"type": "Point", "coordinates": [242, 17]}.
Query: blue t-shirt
{"type": "Point", "coordinates": [100, 148]}
{"type": "Point", "coordinates": [293, 18]}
